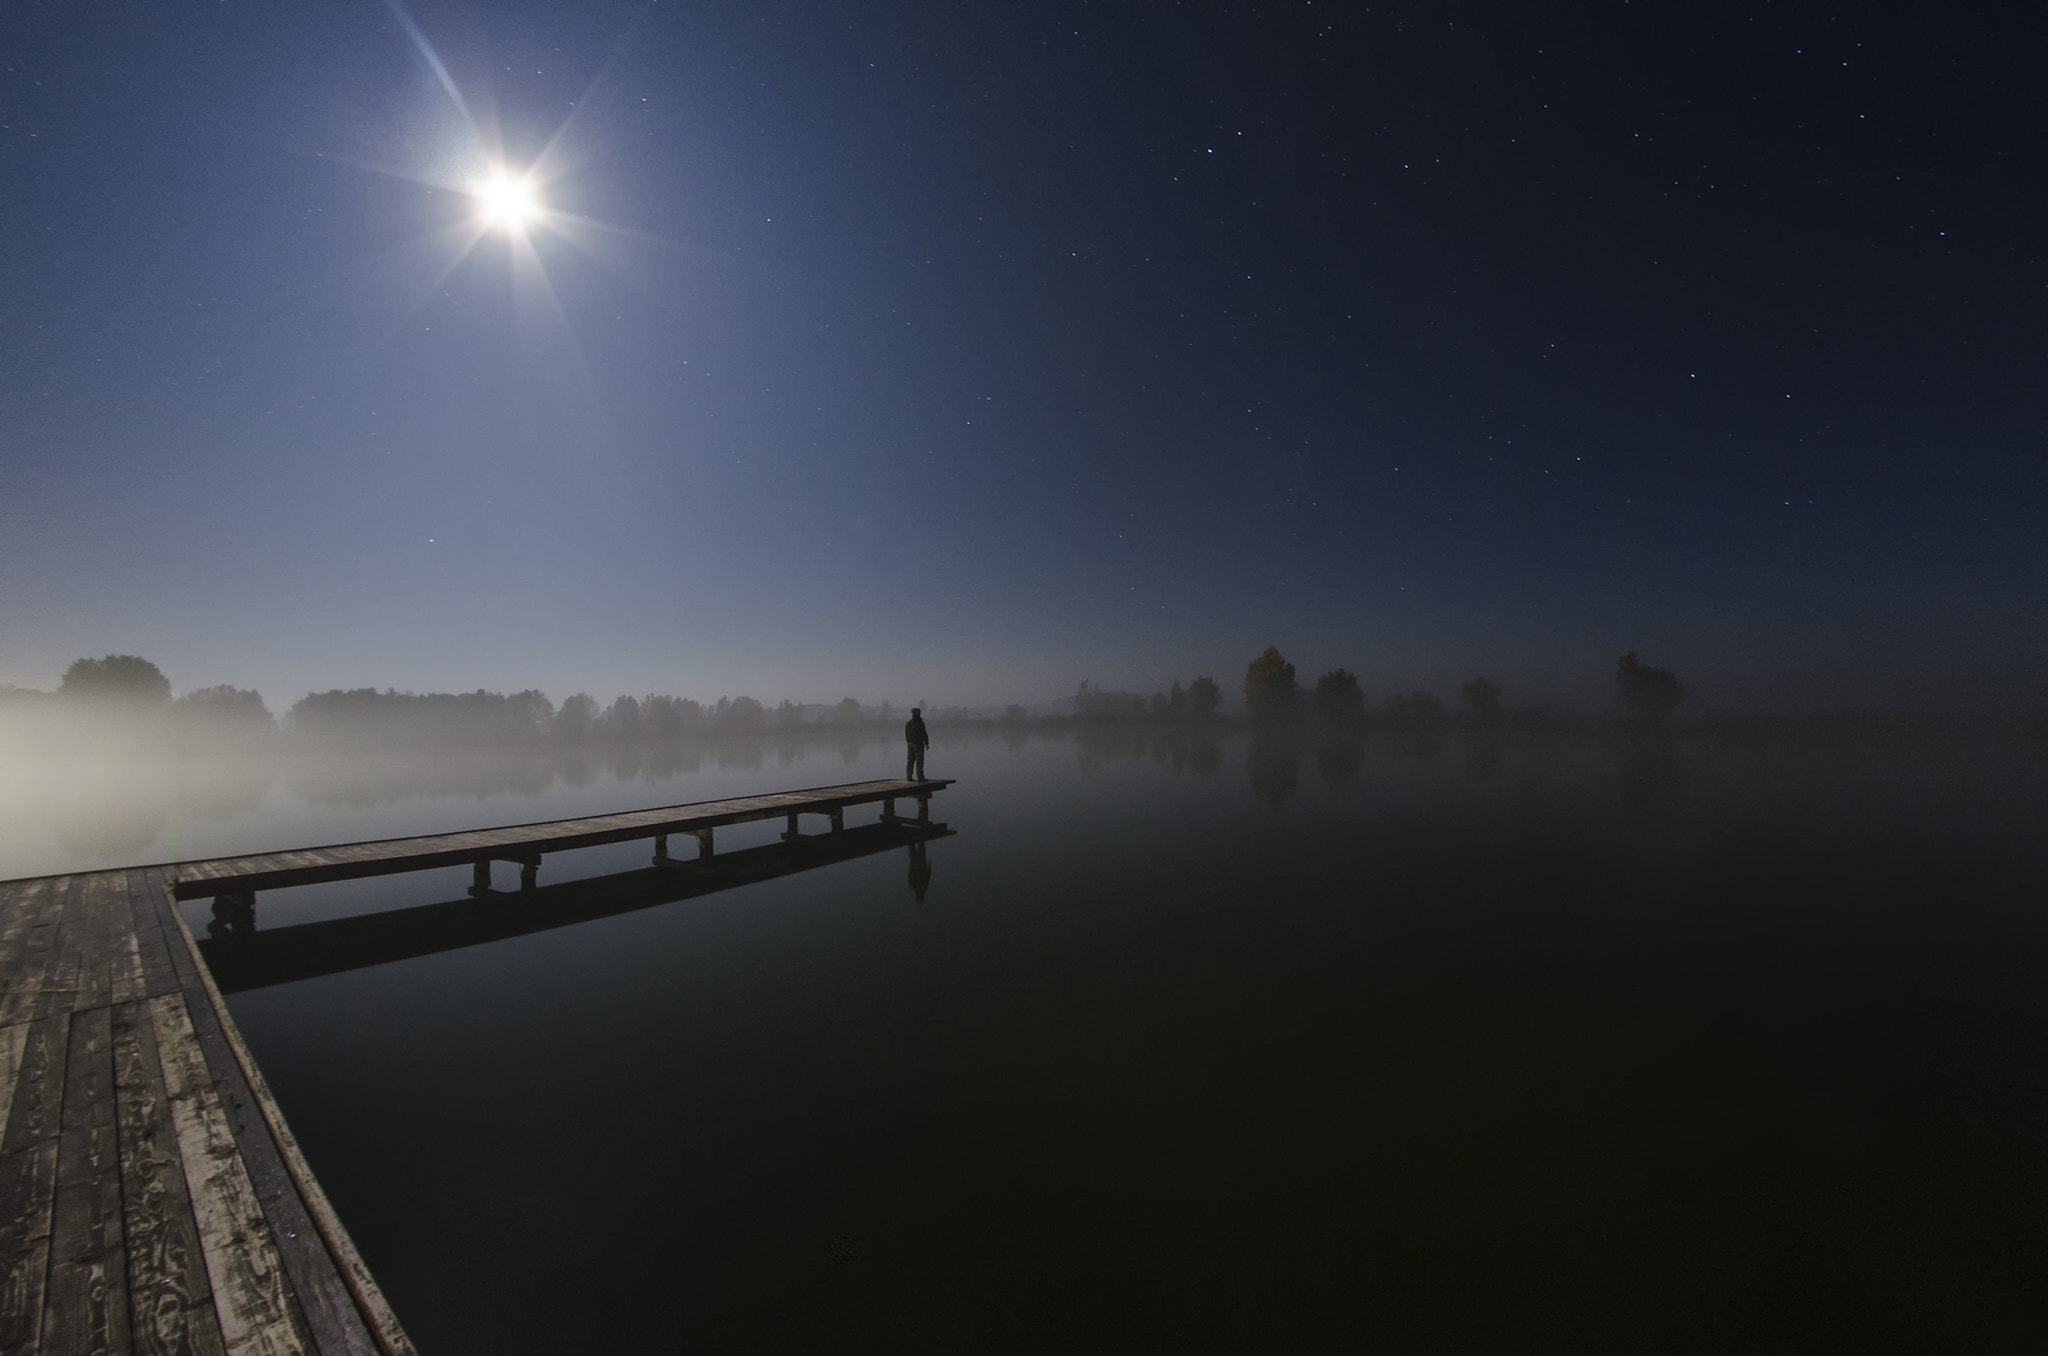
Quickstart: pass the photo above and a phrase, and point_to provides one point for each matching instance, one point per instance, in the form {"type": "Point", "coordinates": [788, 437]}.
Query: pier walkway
{"type": "Point", "coordinates": [152, 1198]}
{"type": "Point", "coordinates": [239, 878]}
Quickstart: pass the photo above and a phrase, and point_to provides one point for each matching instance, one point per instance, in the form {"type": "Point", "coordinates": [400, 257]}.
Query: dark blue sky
{"type": "Point", "coordinates": [959, 352]}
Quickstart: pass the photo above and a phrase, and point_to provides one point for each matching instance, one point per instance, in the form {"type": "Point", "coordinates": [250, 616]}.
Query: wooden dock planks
{"type": "Point", "coordinates": [252, 1298]}
{"type": "Point", "coordinates": [519, 842]}
{"type": "Point", "coordinates": [145, 1201]}
{"type": "Point", "coordinates": [152, 1198]}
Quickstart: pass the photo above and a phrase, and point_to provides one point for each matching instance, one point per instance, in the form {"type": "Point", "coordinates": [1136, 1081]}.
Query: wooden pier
{"type": "Point", "coordinates": [152, 1198]}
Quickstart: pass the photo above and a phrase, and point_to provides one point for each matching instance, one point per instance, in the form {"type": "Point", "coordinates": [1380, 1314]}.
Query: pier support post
{"type": "Point", "coordinates": [660, 849]}
{"type": "Point", "coordinates": [838, 820]}
{"type": "Point", "coordinates": [234, 915]}
{"type": "Point", "coordinates": [889, 810]}
{"type": "Point", "coordinates": [529, 873]}
{"type": "Point", "coordinates": [703, 837]}
{"type": "Point", "coordinates": [480, 878]}
{"type": "Point", "coordinates": [924, 809]}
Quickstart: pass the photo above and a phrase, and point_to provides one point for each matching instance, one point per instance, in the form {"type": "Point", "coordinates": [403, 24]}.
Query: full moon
{"type": "Point", "coordinates": [506, 201]}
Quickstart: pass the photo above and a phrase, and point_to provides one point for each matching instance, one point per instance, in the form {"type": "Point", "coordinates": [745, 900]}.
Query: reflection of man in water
{"type": "Point", "coordinates": [920, 871]}
{"type": "Point", "coordinates": [919, 741]}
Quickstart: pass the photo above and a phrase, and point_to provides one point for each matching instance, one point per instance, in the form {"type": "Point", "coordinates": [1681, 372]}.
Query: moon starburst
{"type": "Point", "coordinates": [507, 201]}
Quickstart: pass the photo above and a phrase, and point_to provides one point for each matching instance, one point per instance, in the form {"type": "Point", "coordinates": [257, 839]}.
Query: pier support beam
{"type": "Point", "coordinates": [702, 862]}
{"type": "Point", "coordinates": [480, 874]}
{"type": "Point", "coordinates": [836, 814]}
{"type": "Point", "coordinates": [234, 915]}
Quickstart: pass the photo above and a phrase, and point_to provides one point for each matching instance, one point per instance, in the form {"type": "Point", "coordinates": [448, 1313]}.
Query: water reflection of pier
{"type": "Point", "coordinates": [243, 956]}
{"type": "Point", "coordinates": [237, 879]}
{"type": "Point", "coordinates": [151, 1196]}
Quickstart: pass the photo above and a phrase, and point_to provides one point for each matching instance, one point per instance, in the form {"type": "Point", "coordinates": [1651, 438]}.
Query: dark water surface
{"type": "Point", "coordinates": [1227, 1046]}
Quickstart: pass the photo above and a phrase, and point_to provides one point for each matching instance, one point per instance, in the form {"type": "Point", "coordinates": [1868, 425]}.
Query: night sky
{"type": "Point", "coordinates": [960, 352]}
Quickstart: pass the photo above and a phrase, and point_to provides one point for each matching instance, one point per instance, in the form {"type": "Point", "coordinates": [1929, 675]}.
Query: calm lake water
{"type": "Point", "coordinates": [1197, 1045]}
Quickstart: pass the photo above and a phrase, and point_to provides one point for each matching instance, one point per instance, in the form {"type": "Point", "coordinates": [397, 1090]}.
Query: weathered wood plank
{"type": "Point", "coordinates": [12, 1038]}
{"type": "Point", "coordinates": [67, 960]}
{"type": "Point", "coordinates": [158, 975]}
{"type": "Point", "coordinates": [337, 1298]}
{"type": "Point", "coordinates": [86, 1305]}
{"type": "Point", "coordinates": [170, 1297]}
{"type": "Point", "coordinates": [129, 980]}
{"type": "Point", "coordinates": [88, 1091]}
{"type": "Point", "coordinates": [28, 1180]}
{"type": "Point", "coordinates": [92, 916]}
{"type": "Point", "coordinates": [20, 906]}
{"type": "Point", "coordinates": [252, 1296]}
{"type": "Point", "coordinates": [31, 951]}
{"type": "Point", "coordinates": [343, 861]}
{"type": "Point", "coordinates": [37, 1110]}
{"type": "Point", "coordinates": [157, 895]}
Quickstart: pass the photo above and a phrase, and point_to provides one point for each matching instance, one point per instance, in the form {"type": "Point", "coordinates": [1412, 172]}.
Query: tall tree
{"type": "Point", "coordinates": [1644, 691]}
{"type": "Point", "coordinates": [1204, 696]}
{"type": "Point", "coordinates": [1339, 699]}
{"type": "Point", "coordinates": [118, 677]}
{"type": "Point", "coordinates": [574, 720]}
{"type": "Point", "coordinates": [1269, 690]}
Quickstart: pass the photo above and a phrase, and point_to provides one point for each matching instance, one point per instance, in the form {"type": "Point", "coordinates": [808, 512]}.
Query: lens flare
{"type": "Point", "coordinates": [507, 201]}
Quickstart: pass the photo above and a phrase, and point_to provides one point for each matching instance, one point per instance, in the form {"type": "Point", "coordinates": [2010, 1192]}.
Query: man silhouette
{"type": "Point", "coordinates": [914, 735]}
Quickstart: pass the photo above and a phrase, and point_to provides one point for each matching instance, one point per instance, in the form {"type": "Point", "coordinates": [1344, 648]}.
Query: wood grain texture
{"type": "Point", "coordinates": [252, 1297]}
{"type": "Point", "coordinates": [20, 907]}
{"type": "Point", "coordinates": [85, 1308]}
{"type": "Point", "coordinates": [28, 1186]}
{"type": "Point", "coordinates": [36, 1111]}
{"type": "Point", "coordinates": [12, 1038]}
{"type": "Point", "coordinates": [158, 975]}
{"type": "Point", "coordinates": [170, 1297]}
{"type": "Point", "coordinates": [28, 1180]}
{"type": "Point", "coordinates": [66, 958]}
{"type": "Point", "coordinates": [336, 1296]}
{"type": "Point", "coordinates": [31, 948]}
{"type": "Point", "coordinates": [93, 929]}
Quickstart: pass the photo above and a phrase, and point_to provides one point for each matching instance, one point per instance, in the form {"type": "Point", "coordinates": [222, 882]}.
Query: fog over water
{"type": "Point", "coordinates": [1197, 1038]}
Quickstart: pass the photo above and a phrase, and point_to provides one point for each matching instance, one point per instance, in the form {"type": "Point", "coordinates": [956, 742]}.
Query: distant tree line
{"type": "Point", "coordinates": [127, 688]}
{"type": "Point", "coordinates": [529, 717]}
{"type": "Point", "coordinates": [126, 691]}
{"type": "Point", "coordinates": [122, 688]}
{"type": "Point", "coordinates": [1273, 698]}
{"type": "Point", "coordinates": [1195, 703]}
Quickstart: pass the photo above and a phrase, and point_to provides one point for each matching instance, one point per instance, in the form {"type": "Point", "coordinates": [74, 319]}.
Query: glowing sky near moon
{"type": "Point", "coordinates": [963, 352]}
